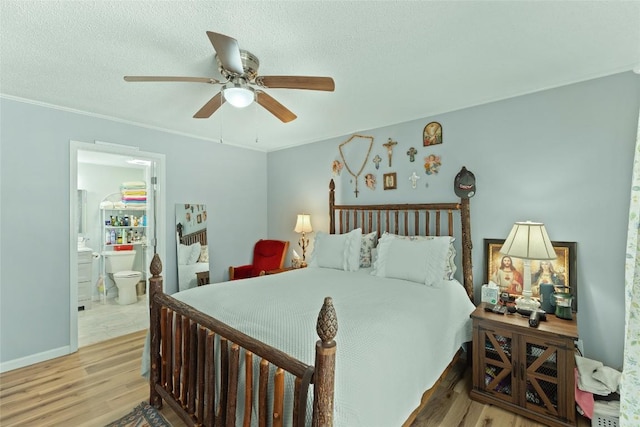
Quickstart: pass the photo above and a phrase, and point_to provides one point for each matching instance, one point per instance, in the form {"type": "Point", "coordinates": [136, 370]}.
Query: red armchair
{"type": "Point", "coordinates": [267, 255]}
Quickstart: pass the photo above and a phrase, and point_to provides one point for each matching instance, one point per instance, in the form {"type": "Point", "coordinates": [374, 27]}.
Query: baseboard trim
{"type": "Point", "coordinates": [34, 358]}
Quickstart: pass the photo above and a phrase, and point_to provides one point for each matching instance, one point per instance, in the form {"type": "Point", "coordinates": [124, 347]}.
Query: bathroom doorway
{"type": "Point", "coordinates": [104, 171]}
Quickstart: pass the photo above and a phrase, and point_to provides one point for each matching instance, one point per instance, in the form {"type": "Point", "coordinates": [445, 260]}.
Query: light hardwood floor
{"type": "Point", "coordinates": [101, 383]}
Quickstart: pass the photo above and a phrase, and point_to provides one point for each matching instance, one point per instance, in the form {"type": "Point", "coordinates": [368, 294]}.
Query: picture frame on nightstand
{"type": "Point", "coordinates": [563, 269]}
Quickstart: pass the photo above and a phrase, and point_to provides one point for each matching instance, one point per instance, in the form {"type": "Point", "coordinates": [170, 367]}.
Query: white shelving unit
{"type": "Point", "coordinates": [119, 223]}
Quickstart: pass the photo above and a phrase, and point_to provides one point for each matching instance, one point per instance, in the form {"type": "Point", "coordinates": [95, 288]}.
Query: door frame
{"type": "Point", "coordinates": [160, 215]}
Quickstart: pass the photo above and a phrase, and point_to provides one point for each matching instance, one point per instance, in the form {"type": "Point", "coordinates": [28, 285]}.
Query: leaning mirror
{"type": "Point", "coordinates": [192, 250]}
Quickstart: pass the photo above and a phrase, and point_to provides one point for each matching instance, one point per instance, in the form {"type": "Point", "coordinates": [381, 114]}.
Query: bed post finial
{"type": "Point", "coordinates": [156, 266]}
{"type": "Point", "coordinates": [327, 326]}
{"type": "Point", "coordinates": [324, 375]}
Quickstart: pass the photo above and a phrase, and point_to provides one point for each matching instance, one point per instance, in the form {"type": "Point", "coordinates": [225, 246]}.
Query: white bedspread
{"type": "Point", "coordinates": [187, 274]}
{"type": "Point", "coordinates": [394, 337]}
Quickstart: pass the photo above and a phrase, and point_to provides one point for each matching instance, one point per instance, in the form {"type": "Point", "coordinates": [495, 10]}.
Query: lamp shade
{"type": "Point", "coordinates": [528, 240]}
{"type": "Point", "coordinates": [238, 95]}
{"type": "Point", "coordinates": [303, 224]}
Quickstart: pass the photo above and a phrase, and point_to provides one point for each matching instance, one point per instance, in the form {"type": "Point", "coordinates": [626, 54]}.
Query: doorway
{"type": "Point", "coordinates": [102, 170]}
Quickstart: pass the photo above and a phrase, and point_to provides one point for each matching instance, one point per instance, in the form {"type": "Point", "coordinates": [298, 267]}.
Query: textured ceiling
{"type": "Point", "coordinates": [391, 61]}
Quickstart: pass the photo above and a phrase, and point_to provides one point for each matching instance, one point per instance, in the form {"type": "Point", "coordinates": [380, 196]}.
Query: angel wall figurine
{"type": "Point", "coordinates": [336, 167]}
{"type": "Point", "coordinates": [370, 181]}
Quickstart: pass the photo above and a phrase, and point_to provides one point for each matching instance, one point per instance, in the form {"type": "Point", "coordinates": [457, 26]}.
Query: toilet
{"type": "Point", "coordinates": [119, 264]}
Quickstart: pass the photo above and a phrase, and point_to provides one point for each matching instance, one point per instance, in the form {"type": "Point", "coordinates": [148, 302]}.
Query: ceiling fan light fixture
{"type": "Point", "coordinates": [238, 95]}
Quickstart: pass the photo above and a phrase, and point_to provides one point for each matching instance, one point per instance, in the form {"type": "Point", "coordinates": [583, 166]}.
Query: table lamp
{"type": "Point", "coordinates": [527, 241]}
{"type": "Point", "coordinates": [303, 225]}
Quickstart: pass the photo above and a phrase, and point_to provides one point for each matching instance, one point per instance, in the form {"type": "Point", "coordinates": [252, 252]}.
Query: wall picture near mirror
{"type": "Point", "coordinates": [192, 246]}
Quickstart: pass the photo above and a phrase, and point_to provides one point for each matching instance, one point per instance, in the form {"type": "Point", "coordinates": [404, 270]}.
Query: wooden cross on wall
{"type": "Point", "coordinates": [389, 146]}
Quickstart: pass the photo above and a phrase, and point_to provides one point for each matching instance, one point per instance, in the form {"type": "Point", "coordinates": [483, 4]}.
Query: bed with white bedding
{"type": "Point", "coordinates": [399, 329]}
{"type": "Point", "coordinates": [282, 311]}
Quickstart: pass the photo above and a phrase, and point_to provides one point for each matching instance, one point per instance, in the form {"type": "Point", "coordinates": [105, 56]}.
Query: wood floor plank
{"type": "Point", "coordinates": [102, 382]}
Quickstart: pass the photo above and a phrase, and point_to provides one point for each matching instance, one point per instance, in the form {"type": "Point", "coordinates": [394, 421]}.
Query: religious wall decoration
{"type": "Point", "coordinates": [389, 146]}
{"type": "Point", "coordinates": [336, 167]}
{"type": "Point", "coordinates": [414, 179]}
{"type": "Point", "coordinates": [377, 159]}
{"type": "Point", "coordinates": [432, 134]}
{"type": "Point", "coordinates": [370, 181]}
{"type": "Point", "coordinates": [412, 154]}
{"type": "Point", "coordinates": [355, 151]}
{"type": "Point", "coordinates": [432, 164]}
{"type": "Point", "coordinates": [390, 181]}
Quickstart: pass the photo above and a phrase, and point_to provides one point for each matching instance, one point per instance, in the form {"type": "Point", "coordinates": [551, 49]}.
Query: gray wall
{"type": "Point", "coordinates": [34, 207]}
{"type": "Point", "coordinates": [562, 157]}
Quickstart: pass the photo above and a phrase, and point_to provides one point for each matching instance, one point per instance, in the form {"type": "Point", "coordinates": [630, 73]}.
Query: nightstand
{"type": "Point", "coordinates": [529, 371]}
{"type": "Point", "coordinates": [202, 278]}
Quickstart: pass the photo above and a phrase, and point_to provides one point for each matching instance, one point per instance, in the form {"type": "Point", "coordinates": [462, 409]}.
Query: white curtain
{"type": "Point", "coordinates": [630, 384]}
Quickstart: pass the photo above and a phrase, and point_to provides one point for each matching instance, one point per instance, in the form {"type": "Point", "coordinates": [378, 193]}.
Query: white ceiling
{"type": "Point", "coordinates": [392, 61]}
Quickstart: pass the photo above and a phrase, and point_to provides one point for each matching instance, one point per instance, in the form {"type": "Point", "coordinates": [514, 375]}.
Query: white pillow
{"type": "Point", "coordinates": [339, 251]}
{"type": "Point", "coordinates": [354, 243]}
{"type": "Point", "coordinates": [418, 260]}
{"type": "Point", "coordinates": [368, 244]}
{"type": "Point", "coordinates": [450, 267]}
{"type": "Point", "coordinates": [184, 252]}
{"type": "Point", "coordinates": [194, 254]}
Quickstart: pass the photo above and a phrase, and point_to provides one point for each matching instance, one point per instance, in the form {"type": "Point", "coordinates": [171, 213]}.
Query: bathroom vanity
{"type": "Point", "coordinates": [85, 271]}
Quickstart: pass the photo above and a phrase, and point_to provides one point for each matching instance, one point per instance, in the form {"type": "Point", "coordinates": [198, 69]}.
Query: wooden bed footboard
{"type": "Point", "coordinates": [195, 367]}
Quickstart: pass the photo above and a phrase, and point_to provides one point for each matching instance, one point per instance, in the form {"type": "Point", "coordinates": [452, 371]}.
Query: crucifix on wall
{"type": "Point", "coordinates": [389, 146]}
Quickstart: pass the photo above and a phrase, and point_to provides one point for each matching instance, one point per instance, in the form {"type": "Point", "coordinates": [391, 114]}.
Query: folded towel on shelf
{"type": "Point", "coordinates": [118, 205]}
{"type": "Point", "coordinates": [135, 206]}
{"type": "Point", "coordinates": [133, 184]}
{"type": "Point", "coordinates": [133, 192]}
{"type": "Point", "coordinates": [587, 382]}
{"type": "Point", "coordinates": [106, 204]}
{"type": "Point", "coordinates": [127, 198]}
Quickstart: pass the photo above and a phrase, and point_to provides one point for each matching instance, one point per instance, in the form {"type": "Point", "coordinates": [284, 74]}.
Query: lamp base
{"type": "Point", "coordinates": [527, 303]}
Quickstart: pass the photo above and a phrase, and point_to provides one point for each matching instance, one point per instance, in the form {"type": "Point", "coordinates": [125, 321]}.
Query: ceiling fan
{"type": "Point", "coordinates": [240, 71]}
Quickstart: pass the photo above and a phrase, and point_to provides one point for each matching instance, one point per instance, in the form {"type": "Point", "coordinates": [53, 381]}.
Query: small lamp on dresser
{"type": "Point", "coordinates": [528, 241]}
{"type": "Point", "coordinates": [303, 225]}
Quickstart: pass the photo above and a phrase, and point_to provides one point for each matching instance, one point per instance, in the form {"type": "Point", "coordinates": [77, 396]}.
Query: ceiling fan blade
{"type": "Point", "coordinates": [170, 79]}
{"type": "Point", "coordinates": [297, 82]}
{"type": "Point", "coordinates": [210, 107]}
{"type": "Point", "coordinates": [274, 107]}
{"type": "Point", "coordinates": [228, 51]}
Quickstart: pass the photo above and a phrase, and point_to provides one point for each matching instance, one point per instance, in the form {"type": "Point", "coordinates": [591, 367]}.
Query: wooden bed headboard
{"type": "Point", "coordinates": [423, 219]}
{"type": "Point", "coordinates": [191, 238]}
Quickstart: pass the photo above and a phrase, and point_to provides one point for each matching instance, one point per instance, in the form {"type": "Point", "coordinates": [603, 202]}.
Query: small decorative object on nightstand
{"type": "Point", "coordinates": [529, 371]}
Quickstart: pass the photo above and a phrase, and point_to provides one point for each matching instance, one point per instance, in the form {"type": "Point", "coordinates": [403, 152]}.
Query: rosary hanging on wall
{"type": "Point", "coordinates": [354, 143]}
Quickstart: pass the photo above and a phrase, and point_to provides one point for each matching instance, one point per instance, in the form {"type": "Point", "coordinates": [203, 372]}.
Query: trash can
{"type": "Point", "coordinates": [141, 288]}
